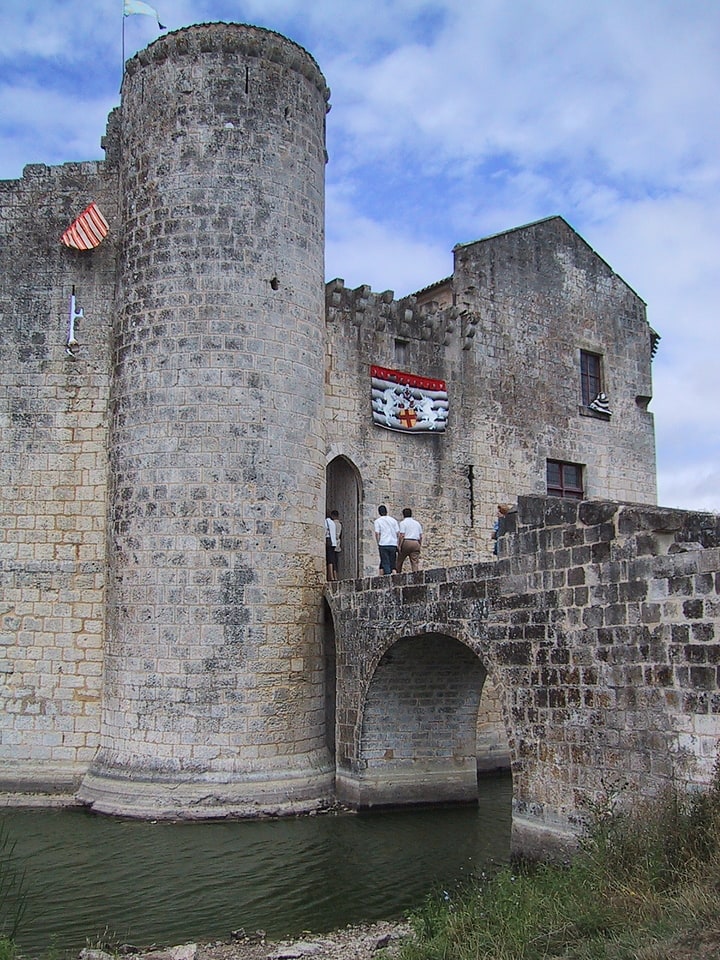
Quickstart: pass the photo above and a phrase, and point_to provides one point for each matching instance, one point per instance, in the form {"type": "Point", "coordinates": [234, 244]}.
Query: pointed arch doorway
{"type": "Point", "coordinates": [344, 494]}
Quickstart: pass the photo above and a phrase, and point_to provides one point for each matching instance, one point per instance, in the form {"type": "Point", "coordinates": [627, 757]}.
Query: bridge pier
{"type": "Point", "coordinates": [407, 783]}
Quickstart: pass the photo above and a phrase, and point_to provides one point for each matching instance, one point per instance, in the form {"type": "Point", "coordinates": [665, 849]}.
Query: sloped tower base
{"type": "Point", "coordinates": [165, 796]}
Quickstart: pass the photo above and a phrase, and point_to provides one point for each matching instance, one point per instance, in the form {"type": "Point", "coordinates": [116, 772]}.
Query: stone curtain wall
{"type": "Point", "coordinates": [427, 473]}
{"type": "Point", "coordinates": [599, 626]}
{"type": "Point", "coordinates": [53, 473]}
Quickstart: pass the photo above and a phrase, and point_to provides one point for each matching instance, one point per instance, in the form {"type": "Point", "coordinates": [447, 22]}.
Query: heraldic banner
{"type": "Point", "coordinates": [407, 403]}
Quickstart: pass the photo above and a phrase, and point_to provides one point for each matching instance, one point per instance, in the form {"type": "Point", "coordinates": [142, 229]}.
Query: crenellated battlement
{"type": "Point", "coordinates": [408, 317]}
{"type": "Point", "coordinates": [231, 38]}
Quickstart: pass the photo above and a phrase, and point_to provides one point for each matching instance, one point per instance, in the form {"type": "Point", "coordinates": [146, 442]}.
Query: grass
{"type": "Point", "coordinates": [13, 898]}
{"type": "Point", "coordinates": [644, 885]}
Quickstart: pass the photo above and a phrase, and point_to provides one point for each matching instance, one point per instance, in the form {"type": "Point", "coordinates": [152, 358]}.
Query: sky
{"type": "Point", "coordinates": [455, 119]}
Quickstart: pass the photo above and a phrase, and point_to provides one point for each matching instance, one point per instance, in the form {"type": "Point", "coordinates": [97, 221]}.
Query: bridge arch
{"type": "Point", "coordinates": [409, 695]}
{"type": "Point", "coordinates": [417, 722]}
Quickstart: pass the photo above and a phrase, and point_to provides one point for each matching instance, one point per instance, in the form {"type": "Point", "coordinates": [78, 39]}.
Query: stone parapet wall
{"type": "Point", "coordinates": [607, 631]}
{"type": "Point", "coordinates": [228, 40]}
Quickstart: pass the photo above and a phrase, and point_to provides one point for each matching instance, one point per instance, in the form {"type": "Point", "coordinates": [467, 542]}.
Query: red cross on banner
{"type": "Point", "coordinates": [408, 418]}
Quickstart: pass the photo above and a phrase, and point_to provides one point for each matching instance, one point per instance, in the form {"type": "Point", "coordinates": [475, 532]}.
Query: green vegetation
{"type": "Point", "coordinates": [13, 897]}
{"type": "Point", "coordinates": [645, 885]}
{"type": "Point", "coordinates": [7, 949]}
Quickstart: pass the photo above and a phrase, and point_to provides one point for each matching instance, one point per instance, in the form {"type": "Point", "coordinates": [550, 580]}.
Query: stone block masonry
{"type": "Point", "coordinates": [163, 487]}
{"type": "Point", "coordinates": [600, 627]}
{"type": "Point", "coordinates": [213, 693]}
{"type": "Point", "coordinates": [53, 476]}
{"type": "Point", "coordinates": [162, 631]}
{"type": "Point", "coordinates": [505, 332]}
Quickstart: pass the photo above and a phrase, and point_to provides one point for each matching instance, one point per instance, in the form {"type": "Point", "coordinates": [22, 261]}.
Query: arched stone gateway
{"type": "Point", "coordinates": [344, 494]}
{"type": "Point", "coordinates": [599, 627]}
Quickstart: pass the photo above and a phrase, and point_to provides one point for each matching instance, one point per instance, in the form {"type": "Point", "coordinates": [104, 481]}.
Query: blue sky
{"type": "Point", "coordinates": [455, 119]}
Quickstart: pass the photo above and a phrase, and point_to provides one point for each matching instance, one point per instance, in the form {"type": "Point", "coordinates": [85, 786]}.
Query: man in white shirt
{"type": "Point", "coordinates": [409, 541]}
{"type": "Point", "coordinates": [386, 536]}
{"type": "Point", "coordinates": [330, 547]}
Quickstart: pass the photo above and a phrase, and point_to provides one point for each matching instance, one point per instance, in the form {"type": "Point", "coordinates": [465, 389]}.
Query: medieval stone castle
{"type": "Point", "coordinates": [182, 402]}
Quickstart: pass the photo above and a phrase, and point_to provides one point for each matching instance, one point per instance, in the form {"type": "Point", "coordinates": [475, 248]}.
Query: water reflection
{"type": "Point", "coordinates": [170, 882]}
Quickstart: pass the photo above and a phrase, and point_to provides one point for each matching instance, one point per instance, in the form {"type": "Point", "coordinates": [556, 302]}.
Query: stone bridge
{"type": "Point", "coordinates": [598, 629]}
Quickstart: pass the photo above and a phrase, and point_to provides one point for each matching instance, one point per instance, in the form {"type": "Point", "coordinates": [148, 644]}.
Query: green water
{"type": "Point", "coordinates": [162, 883]}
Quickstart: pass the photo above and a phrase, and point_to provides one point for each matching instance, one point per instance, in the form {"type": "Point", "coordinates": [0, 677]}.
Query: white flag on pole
{"type": "Point", "coordinates": [137, 6]}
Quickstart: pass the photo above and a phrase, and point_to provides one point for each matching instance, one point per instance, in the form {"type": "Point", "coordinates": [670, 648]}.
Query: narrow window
{"type": "Point", "coordinates": [564, 479]}
{"type": "Point", "coordinates": [590, 379]}
{"type": "Point", "coordinates": [400, 350]}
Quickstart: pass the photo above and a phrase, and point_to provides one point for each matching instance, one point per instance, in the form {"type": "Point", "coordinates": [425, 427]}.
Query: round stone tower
{"type": "Point", "coordinates": [214, 678]}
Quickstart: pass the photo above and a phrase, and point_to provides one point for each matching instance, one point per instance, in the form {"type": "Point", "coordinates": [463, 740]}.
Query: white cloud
{"type": "Point", "coordinates": [67, 134]}
{"type": "Point", "coordinates": [453, 120]}
{"type": "Point", "coordinates": [362, 251]}
{"type": "Point", "coordinates": [562, 84]}
{"type": "Point", "coordinates": [697, 485]}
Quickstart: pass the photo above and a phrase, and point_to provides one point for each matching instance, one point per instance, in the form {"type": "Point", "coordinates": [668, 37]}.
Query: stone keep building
{"type": "Point", "coordinates": [167, 459]}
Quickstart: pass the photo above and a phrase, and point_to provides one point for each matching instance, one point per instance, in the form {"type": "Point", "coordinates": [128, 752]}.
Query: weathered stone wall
{"type": "Point", "coordinates": [163, 488]}
{"type": "Point", "coordinates": [524, 304]}
{"type": "Point", "coordinates": [536, 296]}
{"type": "Point", "coordinates": [491, 745]}
{"type": "Point", "coordinates": [599, 624]}
{"type": "Point", "coordinates": [214, 693]}
{"type": "Point", "coordinates": [53, 472]}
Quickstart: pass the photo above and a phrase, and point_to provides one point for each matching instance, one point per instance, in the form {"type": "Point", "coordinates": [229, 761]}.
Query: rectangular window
{"type": "Point", "coordinates": [590, 378]}
{"type": "Point", "coordinates": [564, 479]}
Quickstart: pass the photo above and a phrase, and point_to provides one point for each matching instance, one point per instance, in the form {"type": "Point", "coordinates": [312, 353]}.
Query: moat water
{"type": "Point", "coordinates": [91, 878]}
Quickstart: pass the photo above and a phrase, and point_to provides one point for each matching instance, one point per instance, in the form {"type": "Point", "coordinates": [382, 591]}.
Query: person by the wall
{"type": "Point", "coordinates": [330, 547]}
{"type": "Point", "coordinates": [335, 517]}
{"type": "Point", "coordinates": [503, 509]}
{"type": "Point", "coordinates": [386, 536]}
{"type": "Point", "coordinates": [409, 541]}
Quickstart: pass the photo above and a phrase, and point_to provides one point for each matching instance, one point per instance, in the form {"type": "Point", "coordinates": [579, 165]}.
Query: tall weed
{"type": "Point", "coordinates": [641, 874]}
{"type": "Point", "coordinates": [13, 895]}
{"type": "Point", "coordinates": [657, 846]}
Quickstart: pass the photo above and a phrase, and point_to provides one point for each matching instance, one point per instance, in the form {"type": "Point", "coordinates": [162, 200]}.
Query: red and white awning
{"type": "Point", "coordinates": [86, 231]}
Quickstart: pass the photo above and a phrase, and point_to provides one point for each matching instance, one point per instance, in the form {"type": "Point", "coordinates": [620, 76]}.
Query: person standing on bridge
{"type": "Point", "coordinates": [409, 541]}
{"type": "Point", "coordinates": [386, 536]}
{"type": "Point", "coordinates": [503, 509]}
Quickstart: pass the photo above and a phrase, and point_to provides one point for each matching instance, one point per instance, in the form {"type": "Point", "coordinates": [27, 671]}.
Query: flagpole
{"type": "Point", "coordinates": [136, 6]}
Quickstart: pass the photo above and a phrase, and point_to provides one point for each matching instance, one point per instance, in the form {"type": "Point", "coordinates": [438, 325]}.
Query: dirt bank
{"type": "Point", "coordinates": [350, 943]}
